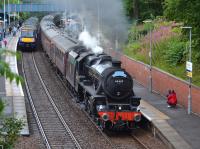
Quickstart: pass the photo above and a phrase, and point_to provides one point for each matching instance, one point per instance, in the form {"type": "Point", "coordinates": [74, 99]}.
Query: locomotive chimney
{"type": "Point", "coordinates": [116, 63]}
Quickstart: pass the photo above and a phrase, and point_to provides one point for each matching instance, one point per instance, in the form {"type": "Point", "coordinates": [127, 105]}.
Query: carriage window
{"type": "Point", "coordinates": [27, 33]}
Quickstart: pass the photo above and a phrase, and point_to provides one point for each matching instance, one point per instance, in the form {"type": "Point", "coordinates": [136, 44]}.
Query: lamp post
{"type": "Point", "coordinates": [4, 18]}
{"type": "Point", "coordinates": [9, 12]}
{"type": "Point", "coordinates": [150, 55]}
{"type": "Point", "coordinates": [189, 69]}
{"type": "Point", "coordinates": [18, 10]}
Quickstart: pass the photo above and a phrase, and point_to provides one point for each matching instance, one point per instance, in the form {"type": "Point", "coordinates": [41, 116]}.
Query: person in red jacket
{"type": "Point", "coordinates": [172, 99]}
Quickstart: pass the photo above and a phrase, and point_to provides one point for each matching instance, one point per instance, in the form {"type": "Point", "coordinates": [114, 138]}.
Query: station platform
{"type": "Point", "coordinates": [11, 93]}
{"type": "Point", "coordinates": [178, 129]}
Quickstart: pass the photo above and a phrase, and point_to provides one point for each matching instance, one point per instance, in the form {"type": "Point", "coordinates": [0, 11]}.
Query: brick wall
{"type": "Point", "coordinates": [162, 81]}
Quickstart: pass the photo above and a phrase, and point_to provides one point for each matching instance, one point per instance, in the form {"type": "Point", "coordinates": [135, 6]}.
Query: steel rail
{"type": "Point", "coordinates": [70, 93]}
{"type": "Point", "coordinates": [55, 107]}
{"type": "Point", "coordinates": [46, 142]}
{"type": "Point", "coordinates": [140, 142]}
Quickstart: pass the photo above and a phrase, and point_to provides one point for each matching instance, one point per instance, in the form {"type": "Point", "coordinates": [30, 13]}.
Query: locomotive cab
{"type": "Point", "coordinates": [27, 38]}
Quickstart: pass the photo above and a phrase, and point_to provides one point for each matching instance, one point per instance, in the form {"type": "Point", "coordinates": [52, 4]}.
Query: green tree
{"type": "Point", "coordinates": [128, 7]}
{"type": "Point", "coordinates": [143, 9]}
{"type": "Point", "coordinates": [5, 68]}
{"type": "Point", "coordinates": [11, 2]}
{"type": "Point", "coordinates": [187, 12]}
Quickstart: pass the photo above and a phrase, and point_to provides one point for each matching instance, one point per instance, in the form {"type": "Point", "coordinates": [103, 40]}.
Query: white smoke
{"type": "Point", "coordinates": [113, 26]}
{"type": "Point", "coordinates": [90, 42]}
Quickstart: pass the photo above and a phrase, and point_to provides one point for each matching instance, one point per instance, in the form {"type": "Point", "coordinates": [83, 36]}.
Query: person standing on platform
{"type": "Point", "coordinates": [5, 42]}
{"type": "Point", "coordinates": [4, 33]}
{"type": "Point", "coordinates": [10, 30]}
{"type": "Point", "coordinates": [1, 39]}
{"type": "Point", "coordinates": [14, 31]}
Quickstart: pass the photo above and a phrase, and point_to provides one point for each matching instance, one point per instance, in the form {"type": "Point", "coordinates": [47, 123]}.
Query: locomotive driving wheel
{"type": "Point", "coordinates": [101, 124]}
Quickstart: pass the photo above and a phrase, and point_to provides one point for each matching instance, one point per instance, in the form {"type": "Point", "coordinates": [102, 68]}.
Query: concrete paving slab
{"type": "Point", "coordinates": [2, 87]}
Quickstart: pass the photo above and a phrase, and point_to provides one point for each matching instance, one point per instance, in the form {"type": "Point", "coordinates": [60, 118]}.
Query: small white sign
{"type": "Point", "coordinates": [189, 66]}
{"type": "Point", "coordinates": [150, 54]}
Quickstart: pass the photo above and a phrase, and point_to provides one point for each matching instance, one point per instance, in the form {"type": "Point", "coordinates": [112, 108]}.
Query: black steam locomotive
{"type": "Point", "coordinates": [98, 80]}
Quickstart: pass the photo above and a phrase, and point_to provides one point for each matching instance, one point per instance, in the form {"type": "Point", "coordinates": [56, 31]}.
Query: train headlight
{"type": "Point", "coordinates": [105, 117]}
{"type": "Point", "coordinates": [137, 117]}
{"type": "Point", "coordinates": [27, 40]}
{"type": "Point", "coordinates": [101, 107]}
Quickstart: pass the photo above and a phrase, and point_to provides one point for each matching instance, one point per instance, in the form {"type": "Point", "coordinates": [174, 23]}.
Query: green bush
{"type": "Point", "coordinates": [135, 47]}
{"type": "Point", "coordinates": [9, 132]}
{"type": "Point", "coordinates": [177, 30]}
{"type": "Point", "coordinates": [136, 32]}
{"type": "Point", "coordinates": [148, 26]}
{"type": "Point", "coordinates": [133, 34]}
{"type": "Point", "coordinates": [175, 51]}
{"type": "Point", "coordinates": [2, 106]}
{"type": "Point", "coordinates": [172, 51]}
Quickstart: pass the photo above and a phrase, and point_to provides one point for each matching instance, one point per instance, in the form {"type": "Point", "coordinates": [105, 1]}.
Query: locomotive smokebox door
{"type": "Point", "coordinates": [117, 84]}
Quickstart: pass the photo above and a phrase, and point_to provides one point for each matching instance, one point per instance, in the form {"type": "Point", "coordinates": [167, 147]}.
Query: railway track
{"type": "Point", "coordinates": [93, 137]}
{"type": "Point", "coordinates": [53, 128]}
{"type": "Point", "coordinates": [85, 131]}
{"type": "Point", "coordinates": [147, 139]}
{"type": "Point", "coordinates": [58, 116]}
{"type": "Point", "coordinates": [116, 141]}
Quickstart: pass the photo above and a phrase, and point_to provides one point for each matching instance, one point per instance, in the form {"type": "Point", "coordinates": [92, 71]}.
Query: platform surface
{"type": "Point", "coordinates": [2, 87]}
{"type": "Point", "coordinates": [181, 129]}
{"type": "Point", "coordinates": [12, 93]}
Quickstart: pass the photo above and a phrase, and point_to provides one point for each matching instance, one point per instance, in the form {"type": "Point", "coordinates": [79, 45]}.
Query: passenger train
{"type": "Point", "coordinates": [98, 80]}
{"type": "Point", "coordinates": [28, 36]}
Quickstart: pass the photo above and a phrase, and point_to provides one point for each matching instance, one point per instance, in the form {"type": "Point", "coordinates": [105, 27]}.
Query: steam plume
{"type": "Point", "coordinates": [90, 42]}
{"type": "Point", "coordinates": [104, 16]}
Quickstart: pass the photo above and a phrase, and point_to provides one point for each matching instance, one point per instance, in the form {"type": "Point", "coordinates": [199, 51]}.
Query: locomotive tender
{"type": "Point", "coordinates": [97, 79]}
